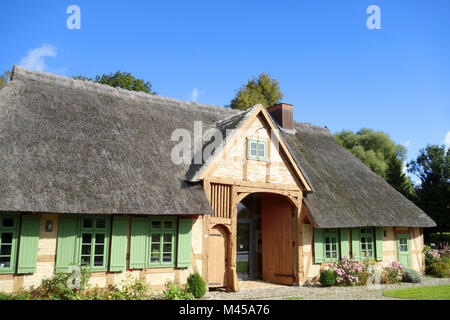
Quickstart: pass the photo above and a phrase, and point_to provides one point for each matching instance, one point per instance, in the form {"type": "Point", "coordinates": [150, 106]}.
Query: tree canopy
{"type": "Point", "coordinates": [122, 80]}
{"type": "Point", "coordinates": [377, 151]}
{"type": "Point", "coordinates": [261, 89]}
{"type": "Point", "coordinates": [432, 167]}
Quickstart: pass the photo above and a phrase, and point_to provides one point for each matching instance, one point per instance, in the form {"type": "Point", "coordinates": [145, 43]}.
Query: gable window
{"type": "Point", "coordinates": [367, 243]}
{"type": "Point", "coordinates": [94, 238]}
{"type": "Point", "coordinates": [331, 250]}
{"type": "Point", "coordinates": [256, 150]}
{"type": "Point", "coordinates": [8, 241]}
{"type": "Point", "coordinates": [162, 241]}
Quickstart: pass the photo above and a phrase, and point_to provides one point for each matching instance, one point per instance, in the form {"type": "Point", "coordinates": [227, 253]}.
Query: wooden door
{"type": "Point", "coordinates": [277, 240]}
{"type": "Point", "coordinates": [217, 258]}
{"type": "Point", "coordinates": [403, 249]}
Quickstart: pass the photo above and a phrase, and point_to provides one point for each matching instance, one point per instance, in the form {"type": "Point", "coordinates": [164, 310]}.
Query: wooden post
{"type": "Point", "coordinates": [233, 274]}
{"type": "Point", "coordinates": [299, 239]}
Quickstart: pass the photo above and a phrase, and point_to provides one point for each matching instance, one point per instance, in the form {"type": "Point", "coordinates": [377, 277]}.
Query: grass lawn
{"type": "Point", "coordinates": [421, 293]}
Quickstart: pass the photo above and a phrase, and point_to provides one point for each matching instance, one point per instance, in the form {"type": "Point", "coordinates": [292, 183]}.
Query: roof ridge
{"type": "Point", "coordinates": [23, 73]}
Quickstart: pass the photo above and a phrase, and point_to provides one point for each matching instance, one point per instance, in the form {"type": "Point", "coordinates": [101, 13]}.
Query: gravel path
{"type": "Point", "coordinates": [316, 292]}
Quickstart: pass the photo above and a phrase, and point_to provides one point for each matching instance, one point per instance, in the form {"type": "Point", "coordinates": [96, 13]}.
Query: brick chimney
{"type": "Point", "coordinates": [283, 114]}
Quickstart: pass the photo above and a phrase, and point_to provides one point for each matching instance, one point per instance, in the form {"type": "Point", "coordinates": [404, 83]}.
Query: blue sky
{"type": "Point", "coordinates": [332, 68]}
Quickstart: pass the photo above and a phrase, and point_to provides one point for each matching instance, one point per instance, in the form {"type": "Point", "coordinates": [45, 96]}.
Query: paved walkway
{"type": "Point", "coordinates": [258, 290]}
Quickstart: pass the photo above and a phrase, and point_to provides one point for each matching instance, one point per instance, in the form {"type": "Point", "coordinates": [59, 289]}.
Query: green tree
{"type": "Point", "coordinates": [432, 167]}
{"type": "Point", "coordinates": [4, 78]}
{"type": "Point", "coordinates": [382, 155]}
{"type": "Point", "coordinates": [398, 179]}
{"type": "Point", "coordinates": [262, 89]}
{"type": "Point", "coordinates": [122, 80]}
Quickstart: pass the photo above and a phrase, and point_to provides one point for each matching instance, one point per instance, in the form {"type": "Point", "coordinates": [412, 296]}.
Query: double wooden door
{"type": "Point", "coordinates": [277, 239]}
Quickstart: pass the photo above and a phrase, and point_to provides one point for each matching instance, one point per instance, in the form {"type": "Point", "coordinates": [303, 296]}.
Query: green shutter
{"type": "Point", "coordinates": [318, 246]}
{"type": "Point", "coordinates": [356, 250]}
{"type": "Point", "coordinates": [184, 243]}
{"type": "Point", "coordinates": [138, 242]}
{"type": "Point", "coordinates": [345, 246]}
{"type": "Point", "coordinates": [118, 260]}
{"type": "Point", "coordinates": [378, 244]}
{"type": "Point", "coordinates": [28, 245]}
{"type": "Point", "coordinates": [66, 252]}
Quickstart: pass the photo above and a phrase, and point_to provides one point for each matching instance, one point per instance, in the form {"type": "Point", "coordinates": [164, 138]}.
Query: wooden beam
{"type": "Point", "coordinates": [233, 274]}
{"type": "Point", "coordinates": [299, 240]}
{"type": "Point", "coordinates": [236, 182]}
{"type": "Point", "coordinates": [259, 190]}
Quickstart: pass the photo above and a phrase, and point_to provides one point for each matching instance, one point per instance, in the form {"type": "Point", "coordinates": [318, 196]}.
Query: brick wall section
{"type": "Point", "coordinates": [276, 169]}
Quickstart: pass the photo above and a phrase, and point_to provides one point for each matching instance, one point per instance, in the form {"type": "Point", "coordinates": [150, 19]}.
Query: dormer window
{"type": "Point", "coordinates": [256, 150]}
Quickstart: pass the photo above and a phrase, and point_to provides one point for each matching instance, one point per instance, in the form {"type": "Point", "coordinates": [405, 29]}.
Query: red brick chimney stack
{"type": "Point", "coordinates": [283, 114]}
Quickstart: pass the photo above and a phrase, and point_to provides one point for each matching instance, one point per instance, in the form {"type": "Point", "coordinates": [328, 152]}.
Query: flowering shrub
{"type": "Point", "coordinates": [431, 255]}
{"type": "Point", "coordinates": [348, 271]}
{"type": "Point", "coordinates": [392, 273]}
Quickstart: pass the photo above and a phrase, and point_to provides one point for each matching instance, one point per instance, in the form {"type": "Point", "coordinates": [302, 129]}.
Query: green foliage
{"type": "Point", "coordinates": [122, 80]}
{"type": "Point", "coordinates": [432, 167]}
{"type": "Point", "coordinates": [396, 178]}
{"type": "Point", "coordinates": [173, 292]}
{"type": "Point", "coordinates": [422, 293]}
{"type": "Point", "coordinates": [410, 275]}
{"type": "Point", "coordinates": [327, 278]}
{"type": "Point", "coordinates": [129, 289]}
{"type": "Point", "coordinates": [196, 285]}
{"type": "Point", "coordinates": [4, 78]}
{"type": "Point", "coordinates": [438, 237]}
{"type": "Point", "coordinates": [56, 288]}
{"type": "Point", "coordinates": [261, 89]}
{"type": "Point", "coordinates": [24, 295]}
{"type": "Point", "coordinates": [377, 151]}
{"type": "Point", "coordinates": [440, 269]}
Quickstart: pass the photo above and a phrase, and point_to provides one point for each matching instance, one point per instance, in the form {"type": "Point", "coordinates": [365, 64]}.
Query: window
{"type": "Point", "coordinates": [94, 242]}
{"type": "Point", "coordinates": [367, 243]}
{"type": "Point", "coordinates": [162, 241]}
{"type": "Point", "coordinates": [331, 244]}
{"type": "Point", "coordinates": [403, 244]}
{"type": "Point", "coordinates": [8, 240]}
{"type": "Point", "coordinates": [256, 150]}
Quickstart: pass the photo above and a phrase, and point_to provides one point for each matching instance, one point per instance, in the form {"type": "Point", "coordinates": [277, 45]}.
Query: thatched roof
{"type": "Point", "coordinates": [346, 192]}
{"type": "Point", "coordinates": [71, 146]}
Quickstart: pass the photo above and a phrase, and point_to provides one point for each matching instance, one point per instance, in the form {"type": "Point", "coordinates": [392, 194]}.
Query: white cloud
{"type": "Point", "coordinates": [407, 143]}
{"type": "Point", "coordinates": [447, 140]}
{"type": "Point", "coordinates": [34, 60]}
{"type": "Point", "coordinates": [404, 167]}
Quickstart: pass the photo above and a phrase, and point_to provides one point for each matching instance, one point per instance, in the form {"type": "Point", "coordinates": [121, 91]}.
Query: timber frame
{"type": "Point", "coordinates": [225, 194]}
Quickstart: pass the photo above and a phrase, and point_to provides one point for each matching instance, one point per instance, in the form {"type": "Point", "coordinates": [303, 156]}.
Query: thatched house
{"type": "Point", "coordinates": [88, 177]}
